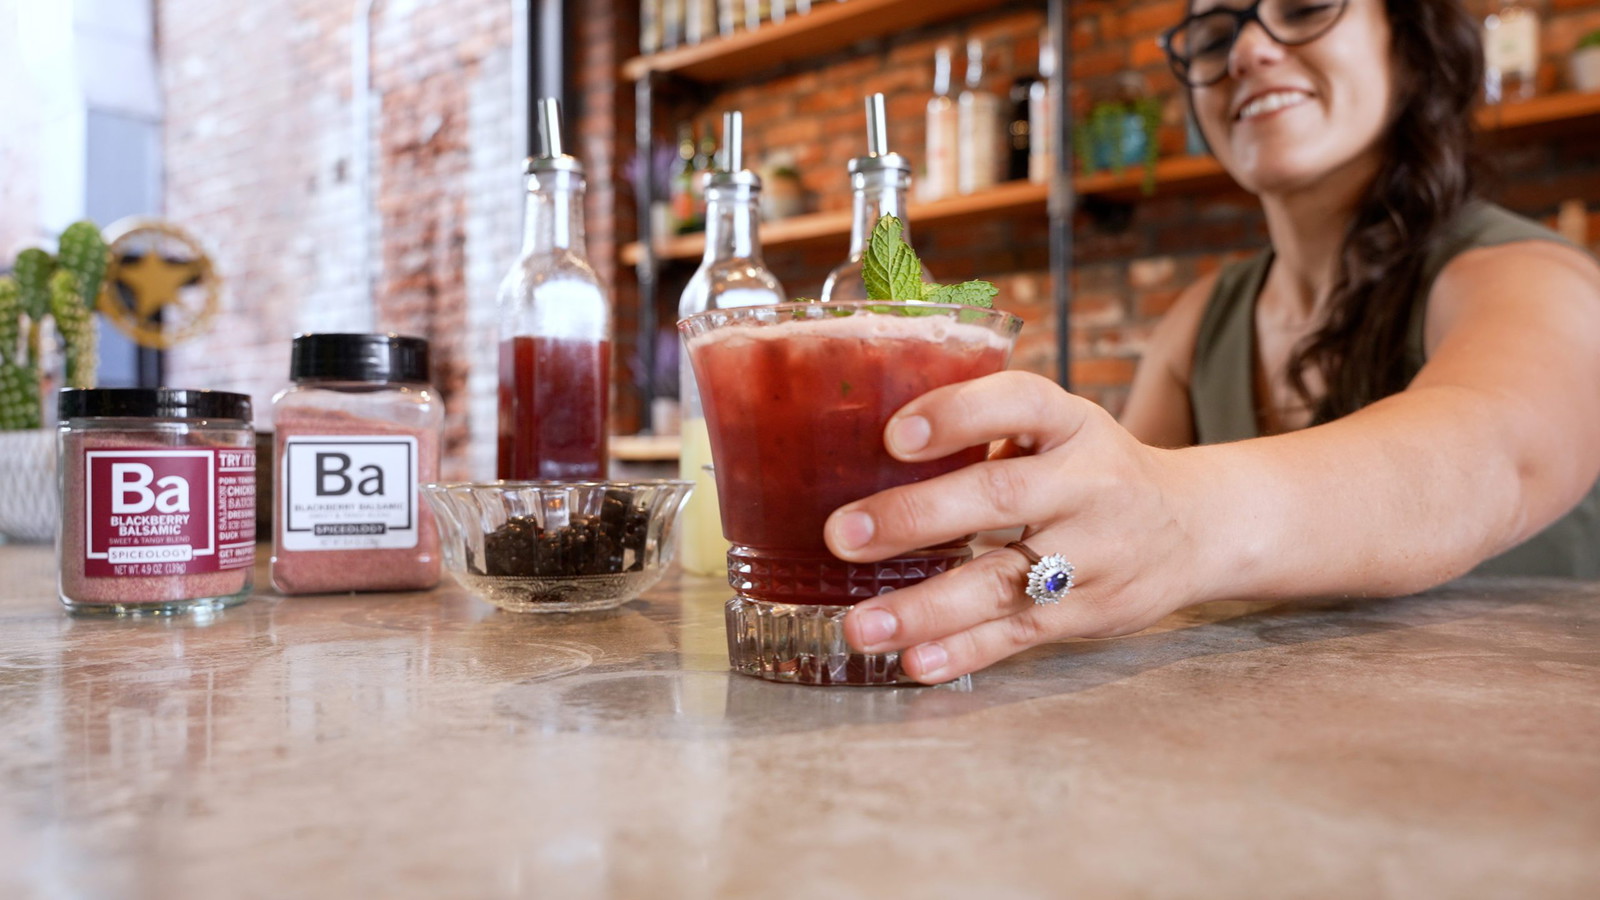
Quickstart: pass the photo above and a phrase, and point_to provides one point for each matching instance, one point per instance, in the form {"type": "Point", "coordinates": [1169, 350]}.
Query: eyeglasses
{"type": "Point", "coordinates": [1199, 46]}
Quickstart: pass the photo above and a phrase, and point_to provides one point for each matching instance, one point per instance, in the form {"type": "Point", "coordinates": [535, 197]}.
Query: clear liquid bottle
{"type": "Point", "coordinates": [979, 158]}
{"type": "Point", "coordinates": [943, 131]}
{"type": "Point", "coordinates": [1042, 115]}
{"type": "Point", "coordinates": [555, 331]}
{"type": "Point", "coordinates": [1511, 51]}
{"type": "Point", "coordinates": [878, 185]}
{"type": "Point", "coordinates": [731, 274]}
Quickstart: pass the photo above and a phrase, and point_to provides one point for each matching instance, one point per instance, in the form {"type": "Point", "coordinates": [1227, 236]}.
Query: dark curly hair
{"type": "Point", "coordinates": [1427, 176]}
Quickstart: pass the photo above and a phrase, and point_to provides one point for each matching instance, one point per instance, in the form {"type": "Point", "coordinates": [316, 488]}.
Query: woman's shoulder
{"type": "Point", "coordinates": [1499, 259]}
{"type": "Point", "coordinates": [1484, 224]}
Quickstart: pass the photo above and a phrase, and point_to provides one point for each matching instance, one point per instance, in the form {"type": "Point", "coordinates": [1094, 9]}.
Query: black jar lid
{"type": "Point", "coordinates": [359, 357]}
{"type": "Point", "coordinates": [152, 403]}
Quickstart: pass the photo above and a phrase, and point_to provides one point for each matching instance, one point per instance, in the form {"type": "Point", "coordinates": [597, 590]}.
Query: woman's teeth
{"type": "Point", "coordinates": [1272, 102]}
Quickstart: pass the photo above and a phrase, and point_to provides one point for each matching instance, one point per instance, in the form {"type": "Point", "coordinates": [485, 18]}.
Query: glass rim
{"type": "Point", "coordinates": [510, 484]}
{"type": "Point", "coordinates": [819, 310]}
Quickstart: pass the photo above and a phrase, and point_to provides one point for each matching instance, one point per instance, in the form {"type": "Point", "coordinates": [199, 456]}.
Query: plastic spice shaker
{"type": "Point", "coordinates": [354, 438]}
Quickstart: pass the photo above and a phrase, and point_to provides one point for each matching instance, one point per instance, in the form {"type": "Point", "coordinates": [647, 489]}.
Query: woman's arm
{"type": "Point", "coordinates": [1497, 436]}
{"type": "Point", "coordinates": [1158, 411]}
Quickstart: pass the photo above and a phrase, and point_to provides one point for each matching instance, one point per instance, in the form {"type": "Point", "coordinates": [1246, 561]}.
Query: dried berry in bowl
{"type": "Point", "coordinates": [558, 547]}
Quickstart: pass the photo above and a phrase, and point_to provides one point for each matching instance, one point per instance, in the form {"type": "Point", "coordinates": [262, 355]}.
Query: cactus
{"type": "Point", "coordinates": [41, 286]}
{"type": "Point", "coordinates": [10, 319]}
{"type": "Point", "coordinates": [83, 252]}
{"type": "Point", "coordinates": [76, 327]}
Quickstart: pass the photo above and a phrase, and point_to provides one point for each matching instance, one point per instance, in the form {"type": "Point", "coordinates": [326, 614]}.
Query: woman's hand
{"type": "Point", "coordinates": [1081, 485]}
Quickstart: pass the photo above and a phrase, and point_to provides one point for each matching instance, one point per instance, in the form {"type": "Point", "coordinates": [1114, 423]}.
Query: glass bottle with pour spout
{"type": "Point", "coordinates": [731, 274]}
{"type": "Point", "coordinates": [555, 331]}
{"type": "Point", "coordinates": [878, 184]}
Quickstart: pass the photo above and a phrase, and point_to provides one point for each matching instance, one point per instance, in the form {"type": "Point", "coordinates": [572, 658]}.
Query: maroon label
{"type": "Point", "coordinates": [159, 511]}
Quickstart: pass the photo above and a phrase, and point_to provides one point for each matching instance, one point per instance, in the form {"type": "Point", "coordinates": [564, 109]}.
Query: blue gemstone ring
{"type": "Point", "coordinates": [1050, 579]}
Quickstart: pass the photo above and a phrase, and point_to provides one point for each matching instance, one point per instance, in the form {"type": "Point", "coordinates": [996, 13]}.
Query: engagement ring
{"type": "Point", "coordinates": [1050, 578]}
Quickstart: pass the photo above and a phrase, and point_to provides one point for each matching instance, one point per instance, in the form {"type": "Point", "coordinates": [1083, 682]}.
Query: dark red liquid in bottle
{"type": "Point", "coordinates": [553, 399]}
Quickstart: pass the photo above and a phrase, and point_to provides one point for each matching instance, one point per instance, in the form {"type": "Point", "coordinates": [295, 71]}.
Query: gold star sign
{"type": "Point", "coordinates": [155, 281]}
{"type": "Point", "coordinates": [161, 289]}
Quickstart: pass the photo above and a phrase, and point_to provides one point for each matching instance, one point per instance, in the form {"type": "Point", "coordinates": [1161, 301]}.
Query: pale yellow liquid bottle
{"type": "Point", "coordinates": [731, 274]}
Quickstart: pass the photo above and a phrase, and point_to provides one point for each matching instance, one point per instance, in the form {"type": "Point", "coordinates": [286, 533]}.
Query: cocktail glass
{"type": "Point", "coordinates": [796, 398]}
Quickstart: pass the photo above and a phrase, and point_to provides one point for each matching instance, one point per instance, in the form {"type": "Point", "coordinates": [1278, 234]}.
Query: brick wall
{"type": "Point", "coordinates": [1130, 262]}
{"type": "Point", "coordinates": [261, 167]}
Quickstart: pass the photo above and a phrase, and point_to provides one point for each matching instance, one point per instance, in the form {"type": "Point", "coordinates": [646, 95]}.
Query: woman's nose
{"type": "Point", "coordinates": [1251, 49]}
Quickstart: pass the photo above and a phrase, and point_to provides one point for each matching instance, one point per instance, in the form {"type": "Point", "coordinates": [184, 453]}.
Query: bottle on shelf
{"type": "Point", "coordinates": [878, 185]}
{"type": "Point", "coordinates": [731, 274]}
{"type": "Point", "coordinates": [682, 190]}
{"type": "Point", "coordinates": [757, 12]}
{"type": "Point", "coordinates": [1511, 51]}
{"type": "Point", "coordinates": [1019, 126]}
{"type": "Point", "coordinates": [1042, 112]}
{"type": "Point", "coordinates": [673, 18]}
{"type": "Point", "coordinates": [700, 21]}
{"type": "Point", "coordinates": [554, 330]}
{"type": "Point", "coordinates": [649, 26]}
{"type": "Point", "coordinates": [978, 157]}
{"type": "Point", "coordinates": [943, 132]}
{"type": "Point", "coordinates": [730, 15]}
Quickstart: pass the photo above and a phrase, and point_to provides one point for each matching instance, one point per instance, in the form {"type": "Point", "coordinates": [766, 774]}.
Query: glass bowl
{"type": "Point", "coordinates": [548, 546]}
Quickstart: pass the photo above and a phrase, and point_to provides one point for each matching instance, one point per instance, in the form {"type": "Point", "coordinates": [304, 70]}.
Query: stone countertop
{"type": "Point", "coordinates": [428, 745]}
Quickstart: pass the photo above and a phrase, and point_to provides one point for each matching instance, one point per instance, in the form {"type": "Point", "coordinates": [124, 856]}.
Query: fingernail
{"type": "Point", "coordinates": [909, 434]}
{"type": "Point", "coordinates": [853, 530]}
{"type": "Point", "coordinates": [928, 659]}
{"type": "Point", "coordinates": [875, 626]}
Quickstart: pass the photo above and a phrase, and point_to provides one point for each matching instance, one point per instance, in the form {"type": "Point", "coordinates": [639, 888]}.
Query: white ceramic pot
{"type": "Point", "coordinates": [1583, 69]}
{"type": "Point", "coordinates": [29, 507]}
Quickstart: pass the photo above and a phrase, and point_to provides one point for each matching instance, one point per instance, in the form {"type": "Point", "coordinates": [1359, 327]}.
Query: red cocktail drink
{"type": "Point", "coordinates": [796, 399]}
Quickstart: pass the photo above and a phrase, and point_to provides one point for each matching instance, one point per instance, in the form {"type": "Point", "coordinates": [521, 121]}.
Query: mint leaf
{"type": "Point", "coordinates": [971, 293]}
{"type": "Point", "coordinates": [892, 272]}
{"type": "Point", "coordinates": [890, 268]}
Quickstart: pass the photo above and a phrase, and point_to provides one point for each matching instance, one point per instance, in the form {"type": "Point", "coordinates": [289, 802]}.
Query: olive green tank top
{"type": "Point", "coordinates": [1222, 385]}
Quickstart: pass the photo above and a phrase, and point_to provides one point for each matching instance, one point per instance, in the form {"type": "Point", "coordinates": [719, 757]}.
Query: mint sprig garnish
{"type": "Point", "coordinates": [893, 272]}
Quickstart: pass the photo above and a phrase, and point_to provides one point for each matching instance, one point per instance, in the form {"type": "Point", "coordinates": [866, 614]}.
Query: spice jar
{"type": "Point", "coordinates": [157, 500]}
{"type": "Point", "coordinates": [355, 437]}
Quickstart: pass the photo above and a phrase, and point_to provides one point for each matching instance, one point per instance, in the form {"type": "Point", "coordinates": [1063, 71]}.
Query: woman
{"type": "Point", "coordinates": [1422, 393]}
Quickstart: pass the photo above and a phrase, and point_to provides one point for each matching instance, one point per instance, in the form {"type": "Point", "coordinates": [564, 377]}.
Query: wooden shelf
{"type": "Point", "coordinates": [1548, 113]}
{"type": "Point", "coordinates": [826, 28]}
{"type": "Point", "coordinates": [1555, 113]}
{"type": "Point", "coordinates": [1016, 196]}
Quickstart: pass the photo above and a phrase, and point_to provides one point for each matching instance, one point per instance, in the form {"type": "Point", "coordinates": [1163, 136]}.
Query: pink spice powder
{"type": "Point", "coordinates": [132, 590]}
{"type": "Point", "coordinates": [379, 569]}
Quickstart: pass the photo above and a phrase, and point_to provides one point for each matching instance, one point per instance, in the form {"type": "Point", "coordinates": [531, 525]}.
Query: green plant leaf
{"type": "Point", "coordinates": [969, 293]}
{"type": "Point", "coordinates": [890, 268]}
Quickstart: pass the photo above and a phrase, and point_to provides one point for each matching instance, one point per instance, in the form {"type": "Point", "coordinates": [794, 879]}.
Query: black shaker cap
{"type": "Point", "coordinates": [359, 357]}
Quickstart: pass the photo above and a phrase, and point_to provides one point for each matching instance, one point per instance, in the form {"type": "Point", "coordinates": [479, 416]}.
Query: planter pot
{"type": "Point", "coordinates": [29, 508]}
{"type": "Point", "coordinates": [1583, 69]}
{"type": "Point", "coordinates": [1125, 143]}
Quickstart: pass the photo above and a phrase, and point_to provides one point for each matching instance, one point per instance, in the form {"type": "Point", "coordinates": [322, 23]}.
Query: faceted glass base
{"type": "Point", "coordinates": [802, 644]}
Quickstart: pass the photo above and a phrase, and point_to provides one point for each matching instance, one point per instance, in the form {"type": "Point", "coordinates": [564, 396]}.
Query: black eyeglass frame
{"type": "Point", "coordinates": [1241, 17]}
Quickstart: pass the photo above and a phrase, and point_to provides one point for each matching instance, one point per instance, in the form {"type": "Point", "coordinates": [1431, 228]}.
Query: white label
{"type": "Point", "coordinates": [348, 492]}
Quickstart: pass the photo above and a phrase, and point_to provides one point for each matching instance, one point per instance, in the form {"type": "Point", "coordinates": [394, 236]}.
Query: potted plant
{"type": "Point", "coordinates": [1583, 66]}
{"type": "Point", "coordinates": [1117, 133]}
{"type": "Point", "coordinates": [43, 294]}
